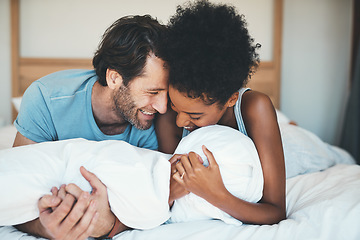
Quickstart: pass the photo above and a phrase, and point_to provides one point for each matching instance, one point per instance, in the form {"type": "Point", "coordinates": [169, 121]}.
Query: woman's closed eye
{"type": "Point", "coordinates": [194, 118]}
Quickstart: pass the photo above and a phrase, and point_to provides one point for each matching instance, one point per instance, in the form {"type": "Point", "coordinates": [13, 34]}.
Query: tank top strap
{"type": "Point", "coordinates": [237, 111]}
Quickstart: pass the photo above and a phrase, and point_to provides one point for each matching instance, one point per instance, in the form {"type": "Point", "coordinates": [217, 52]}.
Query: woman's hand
{"type": "Point", "coordinates": [176, 189]}
{"type": "Point", "coordinates": [206, 182]}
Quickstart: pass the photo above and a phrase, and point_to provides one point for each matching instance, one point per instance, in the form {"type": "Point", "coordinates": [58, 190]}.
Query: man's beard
{"type": "Point", "coordinates": [126, 108]}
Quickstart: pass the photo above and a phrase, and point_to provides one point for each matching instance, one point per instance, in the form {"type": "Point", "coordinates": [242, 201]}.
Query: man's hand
{"type": "Point", "coordinates": [67, 221]}
{"type": "Point", "coordinates": [106, 218]}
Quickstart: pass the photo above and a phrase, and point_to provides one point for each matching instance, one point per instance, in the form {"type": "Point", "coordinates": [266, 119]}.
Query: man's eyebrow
{"type": "Point", "coordinates": [156, 89]}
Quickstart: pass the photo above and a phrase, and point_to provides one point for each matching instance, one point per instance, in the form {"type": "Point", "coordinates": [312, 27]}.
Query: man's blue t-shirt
{"type": "Point", "coordinates": [58, 107]}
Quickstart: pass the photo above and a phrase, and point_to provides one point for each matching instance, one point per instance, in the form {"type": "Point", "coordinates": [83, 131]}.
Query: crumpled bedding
{"type": "Point", "coordinates": [137, 179]}
{"type": "Point", "coordinates": [324, 204]}
{"type": "Point", "coordinates": [239, 166]}
{"type": "Point", "coordinates": [306, 153]}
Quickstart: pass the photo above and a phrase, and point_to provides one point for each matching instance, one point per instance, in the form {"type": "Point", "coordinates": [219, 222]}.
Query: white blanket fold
{"type": "Point", "coordinates": [239, 166]}
{"type": "Point", "coordinates": [137, 179]}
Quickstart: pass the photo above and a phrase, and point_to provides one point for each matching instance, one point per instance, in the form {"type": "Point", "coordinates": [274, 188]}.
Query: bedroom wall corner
{"type": "Point", "coordinates": [5, 66]}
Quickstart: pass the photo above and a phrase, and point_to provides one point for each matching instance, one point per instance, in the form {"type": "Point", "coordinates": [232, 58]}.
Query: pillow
{"type": "Point", "coordinates": [137, 179]}
{"type": "Point", "coordinates": [239, 166]}
{"type": "Point", "coordinates": [305, 152]}
{"type": "Point", "coordinates": [7, 138]}
{"type": "Point", "coordinates": [281, 117]}
{"type": "Point", "coordinates": [16, 101]}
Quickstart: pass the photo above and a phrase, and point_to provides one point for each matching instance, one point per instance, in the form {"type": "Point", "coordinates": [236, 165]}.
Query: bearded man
{"type": "Point", "coordinates": [117, 100]}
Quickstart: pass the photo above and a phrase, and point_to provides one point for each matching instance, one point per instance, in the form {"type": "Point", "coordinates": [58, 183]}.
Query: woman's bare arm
{"type": "Point", "coordinates": [262, 127]}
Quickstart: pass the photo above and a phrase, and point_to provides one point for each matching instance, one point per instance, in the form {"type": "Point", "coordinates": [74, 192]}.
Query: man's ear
{"type": "Point", "coordinates": [232, 100]}
{"type": "Point", "coordinates": [113, 79]}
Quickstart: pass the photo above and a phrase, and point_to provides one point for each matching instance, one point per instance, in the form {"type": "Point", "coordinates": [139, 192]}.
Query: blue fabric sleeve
{"type": "Point", "coordinates": [34, 119]}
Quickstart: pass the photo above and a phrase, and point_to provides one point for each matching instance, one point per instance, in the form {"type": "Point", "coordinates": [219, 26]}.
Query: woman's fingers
{"type": "Point", "coordinates": [179, 168]}
{"type": "Point", "coordinates": [209, 156]}
{"type": "Point", "coordinates": [175, 158]}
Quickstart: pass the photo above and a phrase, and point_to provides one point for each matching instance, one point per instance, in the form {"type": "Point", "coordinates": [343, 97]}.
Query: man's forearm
{"type": "Point", "coordinates": [33, 228]}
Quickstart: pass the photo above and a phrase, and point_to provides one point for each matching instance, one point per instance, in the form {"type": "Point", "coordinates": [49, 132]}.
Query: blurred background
{"type": "Point", "coordinates": [316, 47]}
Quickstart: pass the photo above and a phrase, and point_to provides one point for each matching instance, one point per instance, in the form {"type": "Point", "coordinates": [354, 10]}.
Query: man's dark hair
{"type": "Point", "coordinates": [209, 51]}
{"type": "Point", "coordinates": [125, 46]}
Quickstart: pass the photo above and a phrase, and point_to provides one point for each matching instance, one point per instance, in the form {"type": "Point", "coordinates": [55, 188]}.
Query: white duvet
{"type": "Point", "coordinates": [324, 204]}
{"type": "Point", "coordinates": [320, 206]}
{"type": "Point", "coordinates": [28, 172]}
{"type": "Point", "coordinates": [137, 179]}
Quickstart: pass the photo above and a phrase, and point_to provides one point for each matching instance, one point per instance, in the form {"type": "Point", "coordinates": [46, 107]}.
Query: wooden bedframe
{"type": "Point", "coordinates": [26, 70]}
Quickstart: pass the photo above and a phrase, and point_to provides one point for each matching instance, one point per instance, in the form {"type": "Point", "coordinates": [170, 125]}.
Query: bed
{"type": "Point", "coordinates": [321, 204]}
{"type": "Point", "coordinates": [7, 134]}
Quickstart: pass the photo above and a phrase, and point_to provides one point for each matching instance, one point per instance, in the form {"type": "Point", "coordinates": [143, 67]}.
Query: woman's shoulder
{"type": "Point", "coordinates": [256, 103]}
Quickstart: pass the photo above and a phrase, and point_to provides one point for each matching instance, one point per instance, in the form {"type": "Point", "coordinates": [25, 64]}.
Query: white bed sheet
{"type": "Point", "coordinates": [7, 136]}
{"type": "Point", "coordinates": [322, 205]}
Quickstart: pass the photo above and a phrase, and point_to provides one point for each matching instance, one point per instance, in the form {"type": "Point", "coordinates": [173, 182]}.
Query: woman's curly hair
{"type": "Point", "coordinates": [209, 51]}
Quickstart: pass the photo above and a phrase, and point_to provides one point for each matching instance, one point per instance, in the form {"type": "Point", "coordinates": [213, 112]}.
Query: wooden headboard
{"type": "Point", "coordinates": [26, 70]}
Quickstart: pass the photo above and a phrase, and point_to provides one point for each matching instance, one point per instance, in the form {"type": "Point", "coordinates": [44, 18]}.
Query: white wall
{"type": "Point", "coordinates": [316, 63]}
{"type": "Point", "coordinates": [315, 55]}
{"type": "Point", "coordinates": [72, 31]}
{"type": "Point", "coordinates": [68, 28]}
{"type": "Point", "coordinates": [5, 79]}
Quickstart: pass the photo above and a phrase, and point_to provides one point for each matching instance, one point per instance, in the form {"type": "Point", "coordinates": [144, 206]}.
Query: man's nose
{"type": "Point", "coordinates": [160, 104]}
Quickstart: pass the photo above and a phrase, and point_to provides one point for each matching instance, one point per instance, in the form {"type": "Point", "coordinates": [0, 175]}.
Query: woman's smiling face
{"type": "Point", "coordinates": [193, 113]}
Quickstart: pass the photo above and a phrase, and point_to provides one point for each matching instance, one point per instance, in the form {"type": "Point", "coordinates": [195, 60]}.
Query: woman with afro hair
{"type": "Point", "coordinates": [211, 56]}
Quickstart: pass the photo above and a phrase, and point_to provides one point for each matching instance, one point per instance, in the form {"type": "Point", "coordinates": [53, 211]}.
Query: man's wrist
{"type": "Point", "coordinates": [114, 229]}
{"type": "Point", "coordinates": [34, 228]}
{"type": "Point", "coordinates": [106, 235]}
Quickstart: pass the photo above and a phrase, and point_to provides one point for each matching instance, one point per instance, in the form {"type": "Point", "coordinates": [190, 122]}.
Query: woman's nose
{"type": "Point", "coordinates": [182, 120]}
